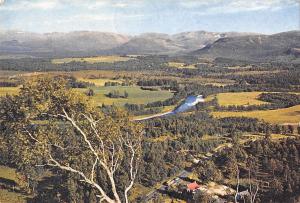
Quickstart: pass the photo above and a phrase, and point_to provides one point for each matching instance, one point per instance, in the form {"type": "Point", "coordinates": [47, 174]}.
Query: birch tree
{"type": "Point", "coordinates": [61, 129]}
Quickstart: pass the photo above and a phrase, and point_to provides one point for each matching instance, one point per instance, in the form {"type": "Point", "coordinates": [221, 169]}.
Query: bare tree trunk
{"type": "Point", "coordinates": [238, 184]}
{"type": "Point", "coordinates": [107, 156]}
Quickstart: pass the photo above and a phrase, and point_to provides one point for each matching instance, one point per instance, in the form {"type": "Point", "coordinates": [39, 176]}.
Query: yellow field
{"type": "Point", "coordinates": [137, 191]}
{"type": "Point", "coordinates": [238, 98]}
{"type": "Point", "coordinates": [98, 82]}
{"type": "Point", "coordinates": [9, 196]}
{"type": "Point", "coordinates": [279, 116]}
{"type": "Point", "coordinates": [8, 173]}
{"type": "Point", "coordinates": [97, 59]}
{"type": "Point", "coordinates": [8, 90]}
{"type": "Point", "coordinates": [181, 65]}
{"type": "Point", "coordinates": [208, 81]}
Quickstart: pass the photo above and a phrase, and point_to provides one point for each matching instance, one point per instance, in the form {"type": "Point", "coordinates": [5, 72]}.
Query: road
{"type": "Point", "coordinates": [175, 181]}
{"type": "Point", "coordinates": [184, 173]}
{"type": "Point", "coordinates": [154, 116]}
{"type": "Point", "coordinates": [151, 195]}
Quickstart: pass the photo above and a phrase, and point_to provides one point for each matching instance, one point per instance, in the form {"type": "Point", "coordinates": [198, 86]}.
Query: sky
{"type": "Point", "coordinates": [141, 16]}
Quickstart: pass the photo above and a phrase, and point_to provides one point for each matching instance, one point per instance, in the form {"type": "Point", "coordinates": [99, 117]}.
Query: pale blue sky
{"type": "Point", "coordinates": [139, 16]}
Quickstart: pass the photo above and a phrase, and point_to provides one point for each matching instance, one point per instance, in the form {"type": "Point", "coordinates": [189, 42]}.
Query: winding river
{"type": "Point", "coordinates": [188, 103]}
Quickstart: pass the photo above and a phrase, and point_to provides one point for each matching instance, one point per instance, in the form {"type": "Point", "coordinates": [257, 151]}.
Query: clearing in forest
{"type": "Point", "coordinates": [9, 91]}
{"type": "Point", "coordinates": [181, 65]}
{"type": "Point", "coordinates": [96, 59]}
{"type": "Point", "coordinates": [135, 95]}
{"type": "Point", "coordinates": [99, 82]}
{"type": "Point", "coordinates": [238, 98]}
{"type": "Point", "coordinates": [278, 116]}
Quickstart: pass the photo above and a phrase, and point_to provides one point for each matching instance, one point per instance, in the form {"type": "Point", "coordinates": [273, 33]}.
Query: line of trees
{"type": "Point", "coordinates": [117, 94]}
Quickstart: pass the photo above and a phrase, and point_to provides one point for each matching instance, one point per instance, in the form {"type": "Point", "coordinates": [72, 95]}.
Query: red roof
{"type": "Point", "coordinates": [193, 186]}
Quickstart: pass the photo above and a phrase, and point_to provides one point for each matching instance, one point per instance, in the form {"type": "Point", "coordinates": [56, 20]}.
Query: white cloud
{"type": "Point", "coordinates": [232, 6]}
{"type": "Point", "coordinates": [90, 18]}
{"type": "Point", "coordinates": [28, 5]}
{"type": "Point", "coordinates": [203, 6]}
{"type": "Point", "coordinates": [197, 3]}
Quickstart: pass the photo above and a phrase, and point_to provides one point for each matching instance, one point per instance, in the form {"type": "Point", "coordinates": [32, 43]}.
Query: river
{"type": "Point", "coordinates": [188, 103]}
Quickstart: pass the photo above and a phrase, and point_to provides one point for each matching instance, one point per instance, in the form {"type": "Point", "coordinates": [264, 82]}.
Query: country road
{"type": "Point", "coordinates": [176, 180]}
{"type": "Point", "coordinates": [184, 173]}
{"type": "Point", "coordinates": [154, 116]}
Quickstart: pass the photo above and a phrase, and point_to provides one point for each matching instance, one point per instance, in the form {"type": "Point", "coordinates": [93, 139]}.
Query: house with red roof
{"type": "Point", "coordinates": [192, 187]}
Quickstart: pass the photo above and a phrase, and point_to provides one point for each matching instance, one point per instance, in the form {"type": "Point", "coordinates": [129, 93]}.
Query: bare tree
{"type": "Point", "coordinates": [252, 194]}
{"type": "Point", "coordinates": [58, 127]}
{"type": "Point", "coordinates": [238, 184]}
{"type": "Point", "coordinates": [108, 152]}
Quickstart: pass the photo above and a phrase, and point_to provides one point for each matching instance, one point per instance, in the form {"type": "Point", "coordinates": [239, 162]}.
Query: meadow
{"type": "Point", "coordinates": [239, 98]}
{"type": "Point", "coordinates": [278, 116]}
{"type": "Point", "coordinates": [9, 90]}
{"type": "Point", "coordinates": [9, 174]}
{"type": "Point", "coordinates": [99, 82]}
{"type": "Point", "coordinates": [135, 95]}
{"type": "Point", "coordinates": [181, 65]}
{"type": "Point", "coordinates": [96, 59]}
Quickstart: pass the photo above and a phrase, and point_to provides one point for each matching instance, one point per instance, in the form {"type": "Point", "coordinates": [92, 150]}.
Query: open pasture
{"type": "Point", "coordinates": [9, 91]}
{"type": "Point", "coordinates": [99, 82]}
{"type": "Point", "coordinates": [96, 59]}
{"type": "Point", "coordinates": [238, 98]}
{"type": "Point", "coordinates": [135, 95]}
{"type": "Point", "coordinates": [181, 65]}
{"type": "Point", "coordinates": [278, 116]}
{"type": "Point", "coordinates": [9, 175]}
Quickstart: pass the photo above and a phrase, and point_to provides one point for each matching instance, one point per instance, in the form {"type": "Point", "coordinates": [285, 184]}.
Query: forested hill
{"type": "Point", "coordinates": [281, 46]}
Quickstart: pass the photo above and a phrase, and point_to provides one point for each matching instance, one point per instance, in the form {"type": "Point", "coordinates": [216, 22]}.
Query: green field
{"type": "Point", "coordinates": [136, 95]}
{"type": "Point", "coordinates": [239, 98]}
{"type": "Point", "coordinates": [97, 59]}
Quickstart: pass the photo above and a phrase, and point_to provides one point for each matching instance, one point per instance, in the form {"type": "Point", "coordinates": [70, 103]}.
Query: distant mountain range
{"type": "Point", "coordinates": [91, 43]}
{"type": "Point", "coordinates": [204, 44]}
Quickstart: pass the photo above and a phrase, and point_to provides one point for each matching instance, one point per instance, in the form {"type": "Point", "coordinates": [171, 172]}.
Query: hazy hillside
{"type": "Point", "coordinates": [59, 43]}
{"type": "Point", "coordinates": [234, 45]}
{"type": "Point", "coordinates": [149, 43]}
{"type": "Point", "coordinates": [156, 43]}
{"type": "Point", "coordinates": [277, 46]}
{"type": "Point", "coordinates": [91, 43]}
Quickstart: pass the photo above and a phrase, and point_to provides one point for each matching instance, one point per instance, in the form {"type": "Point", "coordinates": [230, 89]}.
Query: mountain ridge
{"type": "Point", "coordinates": [253, 47]}
{"type": "Point", "coordinates": [244, 46]}
{"type": "Point", "coordinates": [94, 42]}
